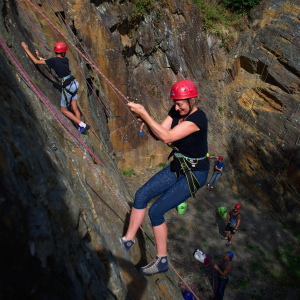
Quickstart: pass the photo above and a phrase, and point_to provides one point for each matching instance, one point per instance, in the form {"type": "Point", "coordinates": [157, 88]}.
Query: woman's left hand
{"type": "Point", "coordinates": [24, 46]}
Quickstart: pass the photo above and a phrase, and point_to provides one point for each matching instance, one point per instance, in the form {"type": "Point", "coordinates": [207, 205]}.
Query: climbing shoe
{"type": "Point", "coordinates": [211, 188]}
{"type": "Point", "coordinates": [224, 238]}
{"type": "Point", "coordinates": [159, 265]}
{"type": "Point", "coordinates": [82, 130]}
{"type": "Point", "coordinates": [128, 244]}
{"type": "Point", "coordinates": [228, 244]}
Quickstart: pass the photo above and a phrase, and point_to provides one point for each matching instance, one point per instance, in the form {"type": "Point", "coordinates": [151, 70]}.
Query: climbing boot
{"type": "Point", "coordinates": [128, 244]}
{"type": "Point", "coordinates": [159, 265]}
{"type": "Point", "coordinates": [82, 130]}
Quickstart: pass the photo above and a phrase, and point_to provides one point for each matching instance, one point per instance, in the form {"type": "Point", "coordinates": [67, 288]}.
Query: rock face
{"type": "Point", "coordinates": [64, 202]}
{"type": "Point", "coordinates": [264, 114]}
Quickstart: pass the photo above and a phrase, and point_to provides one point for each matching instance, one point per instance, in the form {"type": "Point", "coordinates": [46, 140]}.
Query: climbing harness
{"type": "Point", "coordinates": [65, 78]}
{"type": "Point", "coordinates": [186, 163]}
{"type": "Point", "coordinates": [65, 91]}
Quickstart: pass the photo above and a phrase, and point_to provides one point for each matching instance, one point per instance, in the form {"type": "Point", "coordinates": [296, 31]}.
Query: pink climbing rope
{"type": "Point", "coordinates": [57, 115]}
{"type": "Point", "coordinates": [85, 56]}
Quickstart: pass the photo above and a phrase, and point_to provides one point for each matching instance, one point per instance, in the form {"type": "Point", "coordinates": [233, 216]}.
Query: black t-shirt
{"type": "Point", "coordinates": [195, 144]}
{"type": "Point", "coordinates": [61, 68]}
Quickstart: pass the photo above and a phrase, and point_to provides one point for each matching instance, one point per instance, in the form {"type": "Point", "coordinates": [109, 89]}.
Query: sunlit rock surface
{"type": "Point", "coordinates": [64, 202]}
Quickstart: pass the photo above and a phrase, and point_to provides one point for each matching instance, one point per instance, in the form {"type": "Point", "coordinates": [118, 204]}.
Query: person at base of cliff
{"type": "Point", "coordinates": [69, 96]}
{"type": "Point", "coordinates": [224, 269]}
{"type": "Point", "coordinates": [186, 128]}
{"type": "Point", "coordinates": [234, 221]}
{"type": "Point", "coordinates": [218, 171]}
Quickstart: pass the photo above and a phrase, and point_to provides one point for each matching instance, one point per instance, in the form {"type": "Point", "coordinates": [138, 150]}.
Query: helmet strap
{"type": "Point", "coordinates": [190, 110]}
{"type": "Point", "coordinates": [62, 54]}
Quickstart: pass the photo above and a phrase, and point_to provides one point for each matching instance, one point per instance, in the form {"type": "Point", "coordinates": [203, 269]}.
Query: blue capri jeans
{"type": "Point", "coordinates": [173, 190]}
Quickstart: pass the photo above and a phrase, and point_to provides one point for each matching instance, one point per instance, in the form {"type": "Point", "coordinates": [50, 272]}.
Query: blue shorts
{"type": "Point", "coordinates": [172, 190]}
{"type": "Point", "coordinates": [69, 93]}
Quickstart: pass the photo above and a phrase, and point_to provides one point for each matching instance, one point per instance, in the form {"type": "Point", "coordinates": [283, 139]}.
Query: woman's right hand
{"type": "Point", "coordinates": [136, 108]}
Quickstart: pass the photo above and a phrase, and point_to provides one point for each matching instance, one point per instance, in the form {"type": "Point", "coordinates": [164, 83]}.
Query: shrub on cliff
{"type": "Point", "coordinates": [240, 5]}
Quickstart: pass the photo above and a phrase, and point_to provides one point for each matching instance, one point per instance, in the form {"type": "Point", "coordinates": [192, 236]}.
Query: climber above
{"type": "Point", "coordinates": [186, 128]}
{"type": "Point", "coordinates": [69, 96]}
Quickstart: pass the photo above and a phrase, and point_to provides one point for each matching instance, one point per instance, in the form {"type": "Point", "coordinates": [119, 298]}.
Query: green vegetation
{"type": "Point", "coordinates": [220, 17]}
{"type": "Point", "coordinates": [183, 229]}
{"type": "Point", "coordinates": [225, 17]}
{"type": "Point", "coordinates": [221, 108]}
{"type": "Point", "coordinates": [287, 258]}
{"type": "Point", "coordinates": [38, 83]}
{"type": "Point", "coordinates": [251, 247]}
{"type": "Point", "coordinates": [142, 7]}
{"type": "Point", "coordinates": [240, 268]}
{"type": "Point", "coordinates": [242, 283]}
{"type": "Point", "coordinates": [162, 165]}
{"type": "Point", "coordinates": [217, 18]}
{"type": "Point", "coordinates": [241, 5]}
{"type": "Point", "coordinates": [257, 297]}
{"type": "Point", "coordinates": [129, 173]}
{"type": "Point", "coordinates": [289, 275]}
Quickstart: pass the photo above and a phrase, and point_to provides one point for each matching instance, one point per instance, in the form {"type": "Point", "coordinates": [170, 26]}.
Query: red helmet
{"type": "Point", "coordinates": [238, 206]}
{"type": "Point", "coordinates": [221, 158]}
{"type": "Point", "coordinates": [60, 47]}
{"type": "Point", "coordinates": [183, 89]}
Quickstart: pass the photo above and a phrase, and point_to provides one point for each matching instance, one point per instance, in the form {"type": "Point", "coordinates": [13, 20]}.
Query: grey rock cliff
{"type": "Point", "coordinates": [64, 203]}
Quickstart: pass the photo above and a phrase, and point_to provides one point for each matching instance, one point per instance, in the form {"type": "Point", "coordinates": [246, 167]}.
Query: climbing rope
{"type": "Point", "coordinates": [107, 112]}
{"type": "Point", "coordinates": [89, 60]}
{"type": "Point", "coordinates": [57, 115]}
{"type": "Point", "coordinates": [67, 129]}
{"type": "Point", "coordinates": [109, 84]}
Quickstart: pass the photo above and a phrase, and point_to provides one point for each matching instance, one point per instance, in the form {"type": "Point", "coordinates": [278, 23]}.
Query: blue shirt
{"type": "Point", "coordinates": [220, 165]}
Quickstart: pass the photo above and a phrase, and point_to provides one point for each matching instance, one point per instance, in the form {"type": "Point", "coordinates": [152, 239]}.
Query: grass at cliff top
{"type": "Point", "coordinates": [217, 18]}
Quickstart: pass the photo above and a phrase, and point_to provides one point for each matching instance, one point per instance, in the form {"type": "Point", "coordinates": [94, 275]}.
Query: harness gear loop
{"type": "Point", "coordinates": [192, 181]}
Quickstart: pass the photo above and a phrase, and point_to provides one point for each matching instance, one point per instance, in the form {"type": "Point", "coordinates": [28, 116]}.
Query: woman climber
{"type": "Point", "coordinates": [186, 128]}
{"type": "Point", "coordinates": [69, 96]}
